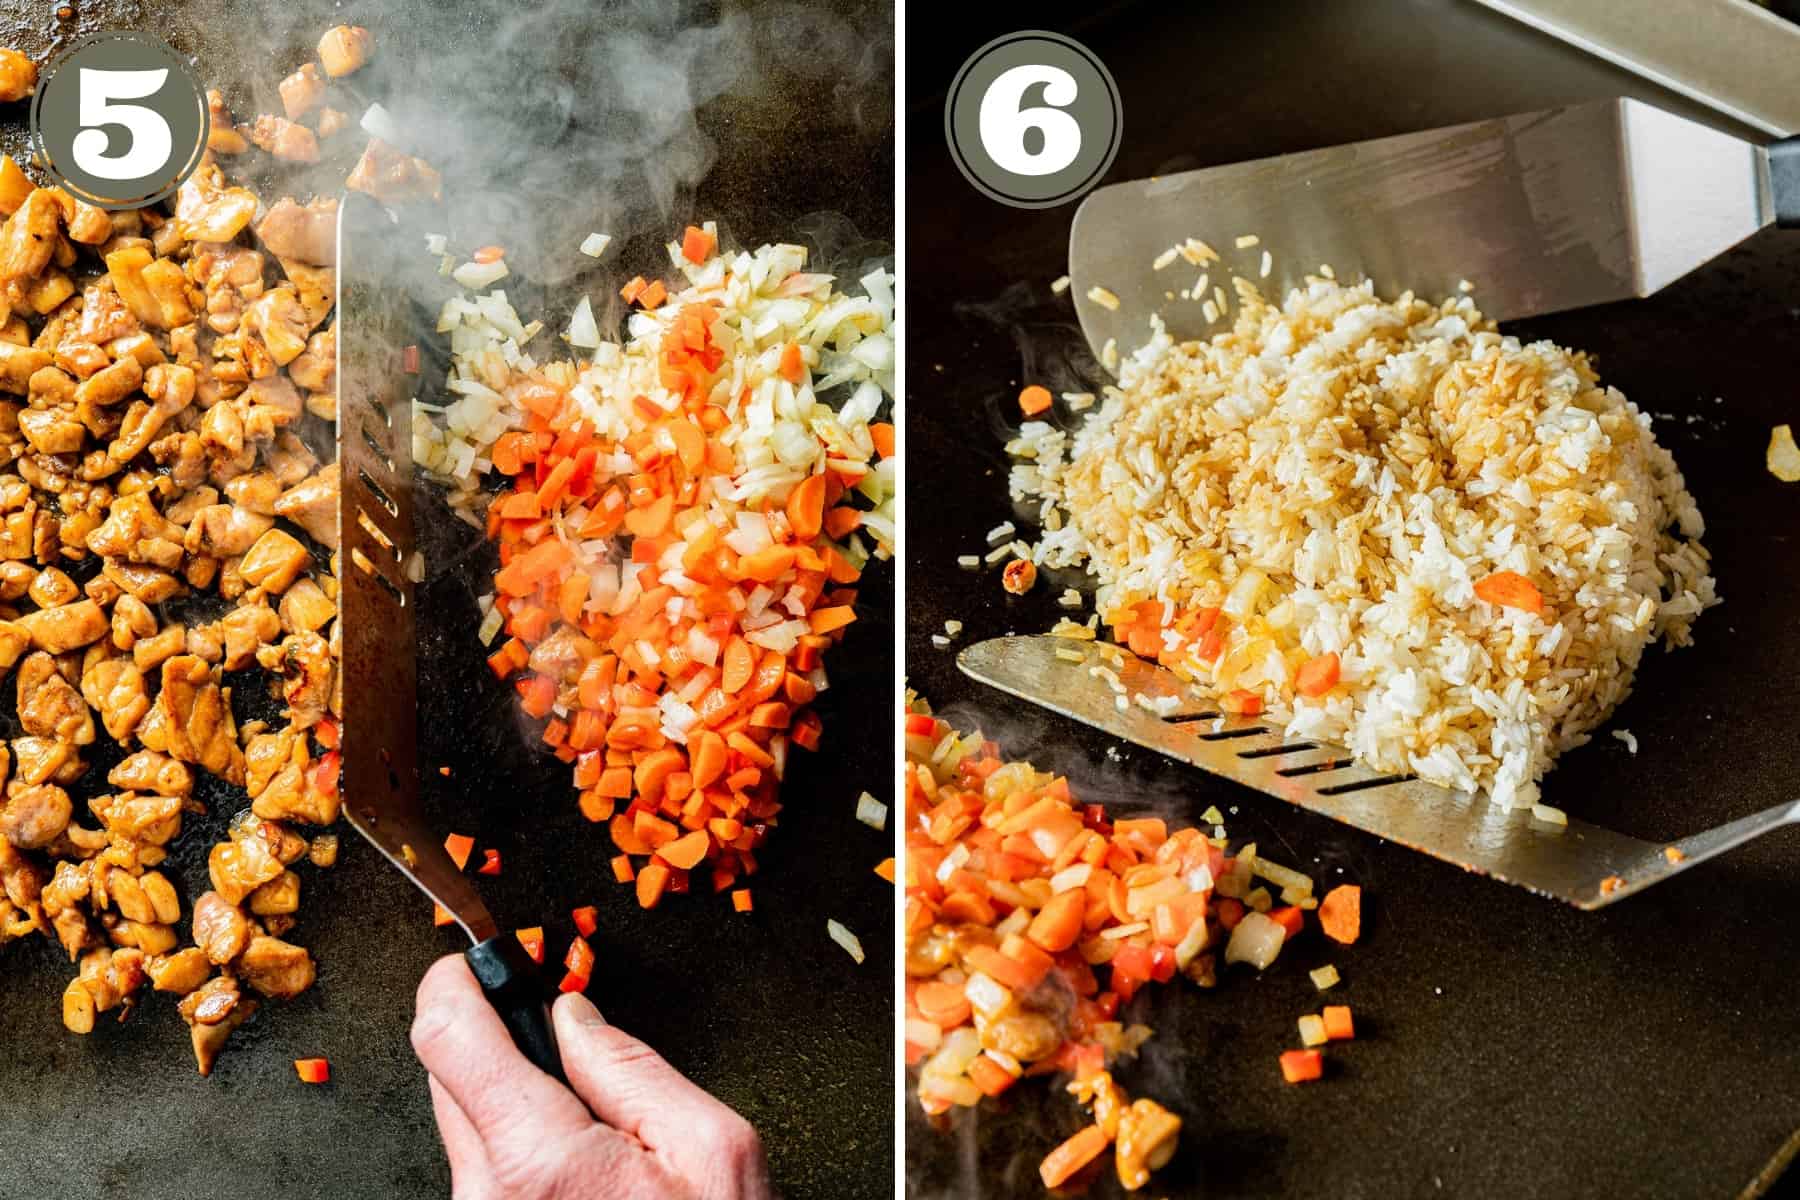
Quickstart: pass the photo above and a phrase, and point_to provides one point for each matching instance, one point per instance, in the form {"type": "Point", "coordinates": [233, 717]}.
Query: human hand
{"type": "Point", "coordinates": [629, 1125]}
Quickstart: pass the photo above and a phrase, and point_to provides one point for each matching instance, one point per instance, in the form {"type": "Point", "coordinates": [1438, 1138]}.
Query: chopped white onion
{"type": "Point", "coordinates": [843, 937]}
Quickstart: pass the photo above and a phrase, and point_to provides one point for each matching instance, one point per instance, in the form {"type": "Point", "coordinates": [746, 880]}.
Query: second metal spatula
{"type": "Point", "coordinates": [1538, 213]}
{"type": "Point", "coordinates": [1583, 864]}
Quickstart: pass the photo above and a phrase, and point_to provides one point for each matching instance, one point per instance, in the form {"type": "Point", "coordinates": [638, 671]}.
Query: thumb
{"type": "Point", "coordinates": [632, 1088]}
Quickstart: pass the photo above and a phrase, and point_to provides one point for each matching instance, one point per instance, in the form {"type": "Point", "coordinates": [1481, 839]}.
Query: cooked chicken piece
{"type": "Point", "coordinates": [276, 968]}
{"type": "Point", "coordinates": [111, 976]}
{"type": "Point", "coordinates": [180, 972]}
{"type": "Point", "coordinates": [52, 587]}
{"type": "Point", "coordinates": [127, 895]}
{"type": "Point", "coordinates": [131, 524]}
{"type": "Point", "coordinates": [38, 760]}
{"type": "Point", "coordinates": [21, 879]}
{"type": "Point", "coordinates": [393, 177]}
{"type": "Point", "coordinates": [305, 608]}
{"type": "Point", "coordinates": [151, 652]}
{"type": "Point", "coordinates": [131, 620]}
{"type": "Point", "coordinates": [302, 91]}
{"type": "Point", "coordinates": [52, 431]}
{"type": "Point", "coordinates": [239, 868]}
{"type": "Point", "coordinates": [15, 185]}
{"type": "Point", "coordinates": [331, 121]}
{"type": "Point", "coordinates": [199, 727]}
{"type": "Point", "coordinates": [13, 641]}
{"type": "Point", "coordinates": [288, 459]}
{"type": "Point", "coordinates": [153, 288]}
{"type": "Point", "coordinates": [208, 211]}
{"type": "Point", "coordinates": [65, 627]}
{"type": "Point", "coordinates": [287, 140]}
{"type": "Point", "coordinates": [316, 370]}
{"type": "Point", "coordinates": [287, 846]}
{"type": "Point", "coordinates": [212, 1011]}
{"type": "Point", "coordinates": [18, 76]}
{"type": "Point", "coordinates": [104, 316]}
{"type": "Point", "coordinates": [308, 234]}
{"type": "Point", "coordinates": [307, 667]}
{"type": "Point", "coordinates": [29, 238]}
{"type": "Point", "coordinates": [269, 404]}
{"type": "Point", "coordinates": [111, 385]}
{"type": "Point", "coordinates": [279, 320]}
{"type": "Point", "coordinates": [183, 454]}
{"type": "Point", "coordinates": [344, 49]}
{"type": "Point", "coordinates": [278, 897]}
{"type": "Point", "coordinates": [35, 816]}
{"type": "Point", "coordinates": [152, 585]}
{"type": "Point", "coordinates": [264, 757]}
{"type": "Point", "coordinates": [277, 558]}
{"type": "Point", "coordinates": [115, 687]}
{"type": "Point", "coordinates": [313, 505]}
{"type": "Point", "coordinates": [153, 820]}
{"type": "Point", "coordinates": [48, 706]}
{"type": "Point", "coordinates": [225, 530]}
{"type": "Point", "coordinates": [244, 629]}
{"type": "Point", "coordinates": [205, 642]}
{"type": "Point", "coordinates": [221, 929]}
{"type": "Point", "coordinates": [256, 491]}
{"type": "Point", "coordinates": [222, 136]}
{"type": "Point", "coordinates": [46, 293]}
{"type": "Point", "coordinates": [18, 364]}
{"type": "Point", "coordinates": [291, 795]}
{"type": "Point", "coordinates": [67, 888]}
{"type": "Point", "coordinates": [79, 359]}
{"type": "Point", "coordinates": [148, 771]}
{"type": "Point", "coordinates": [86, 224]}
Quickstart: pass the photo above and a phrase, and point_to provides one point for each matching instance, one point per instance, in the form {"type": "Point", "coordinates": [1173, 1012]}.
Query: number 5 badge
{"type": "Point", "coordinates": [1033, 119]}
{"type": "Point", "coordinates": [120, 120]}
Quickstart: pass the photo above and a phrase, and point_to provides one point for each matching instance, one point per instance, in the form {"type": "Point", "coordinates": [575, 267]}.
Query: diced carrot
{"type": "Point", "coordinates": [686, 852]}
{"type": "Point", "coordinates": [1340, 913]}
{"type": "Point", "coordinates": [1511, 590]}
{"type": "Point", "coordinates": [313, 1070]}
{"type": "Point", "coordinates": [1299, 1066]}
{"type": "Point", "coordinates": [882, 434]}
{"type": "Point", "coordinates": [1034, 400]}
{"type": "Point", "coordinates": [622, 869]}
{"type": "Point", "coordinates": [1289, 918]}
{"type": "Point", "coordinates": [492, 864]}
{"type": "Point", "coordinates": [488, 254]}
{"type": "Point", "coordinates": [652, 881]}
{"type": "Point", "coordinates": [631, 291]}
{"type": "Point", "coordinates": [1067, 1160]}
{"type": "Point", "coordinates": [1338, 1025]}
{"type": "Point", "coordinates": [740, 900]}
{"type": "Point", "coordinates": [697, 244]}
{"type": "Point", "coordinates": [587, 919]}
{"type": "Point", "coordinates": [1242, 702]}
{"type": "Point", "coordinates": [1317, 675]}
{"type": "Point", "coordinates": [830, 620]}
{"type": "Point", "coordinates": [1058, 923]}
{"type": "Point", "coordinates": [841, 521]}
{"type": "Point", "coordinates": [580, 958]}
{"type": "Point", "coordinates": [459, 846]}
{"type": "Point", "coordinates": [806, 507]}
{"type": "Point", "coordinates": [740, 661]}
{"type": "Point", "coordinates": [653, 773]}
{"type": "Point", "coordinates": [792, 368]}
{"type": "Point", "coordinates": [990, 1076]}
{"type": "Point", "coordinates": [533, 941]}
{"type": "Point", "coordinates": [653, 296]}
{"type": "Point", "coordinates": [441, 915]}
{"type": "Point", "coordinates": [885, 869]}
{"type": "Point", "coordinates": [943, 1004]}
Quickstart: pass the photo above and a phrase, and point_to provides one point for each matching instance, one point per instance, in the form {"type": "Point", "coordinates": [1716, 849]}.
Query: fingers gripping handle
{"type": "Point", "coordinates": [510, 979]}
{"type": "Point", "coordinates": [1784, 178]}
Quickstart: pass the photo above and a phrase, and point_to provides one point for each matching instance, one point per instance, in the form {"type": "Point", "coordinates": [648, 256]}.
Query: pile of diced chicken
{"type": "Point", "coordinates": [161, 378]}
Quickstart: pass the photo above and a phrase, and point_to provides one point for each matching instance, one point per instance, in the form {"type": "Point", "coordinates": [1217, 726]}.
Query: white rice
{"type": "Point", "coordinates": [1343, 471]}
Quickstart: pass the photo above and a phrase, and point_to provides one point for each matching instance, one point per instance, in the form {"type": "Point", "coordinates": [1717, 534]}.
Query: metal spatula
{"type": "Point", "coordinates": [1539, 213]}
{"type": "Point", "coordinates": [1586, 865]}
{"type": "Point", "coordinates": [377, 320]}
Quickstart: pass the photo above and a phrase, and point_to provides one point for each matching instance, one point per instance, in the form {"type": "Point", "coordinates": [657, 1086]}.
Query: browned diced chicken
{"type": "Point", "coordinates": [287, 140]}
{"type": "Point", "coordinates": [316, 369]}
{"type": "Point", "coordinates": [18, 365]}
{"type": "Point", "coordinates": [239, 868]}
{"type": "Point", "coordinates": [154, 820]}
{"type": "Point", "coordinates": [35, 816]}
{"type": "Point", "coordinates": [221, 930]}
{"type": "Point", "coordinates": [38, 760]}
{"type": "Point", "coordinates": [115, 687]}
{"type": "Point", "coordinates": [279, 897]}
{"type": "Point", "coordinates": [332, 121]}
{"type": "Point", "coordinates": [13, 641]}
{"type": "Point", "coordinates": [111, 976]}
{"type": "Point", "coordinates": [65, 627]}
{"type": "Point", "coordinates": [212, 1011]}
{"type": "Point", "coordinates": [222, 136]}
{"type": "Point", "coordinates": [18, 76]}
{"type": "Point", "coordinates": [276, 968]}
{"type": "Point", "coordinates": [20, 878]}
{"type": "Point", "coordinates": [151, 652]}
{"type": "Point", "coordinates": [313, 505]}
{"type": "Point", "coordinates": [180, 972]}
{"type": "Point", "coordinates": [48, 706]}
{"type": "Point", "coordinates": [50, 587]}
{"type": "Point", "coordinates": [265, 756]}
{"type": "Point", "coordinates": [302, 91]}
{"type": "Point", "coordinates": [344, 49]}
{"type": "Point", "coordinates": [110, 385]}
{"type": "Point", "coordinates": [204, 642]}
{"type": "Point", "coordinates": [290, 795]}
{"type": "Point", "coordinates": [29, 238]}
{"type": "Point", "coordinates": [305, 608]}
{"type": "Point", "coordinates": [243, 630]}
{"type": "Point", "coordinates": [276, 560]}
{"type": "Point", "coordinates": [278, 319]}
{"type": "Point", "coordinates": [199, 727]}
{"type": "Point", "coordinates": [153, 288]}
{"type": "Point", "coordinates": [317, 289]}
{"type": "Point", "coordinates": [308, 233]}
{"type": "Point", "coordinates": [148, 771]}
{"type": "Point", "coordinates": [131, 620]}
{"type": "Point", "coordinates": [394, 177]}
{"type": "Point", "coordinates": [225, 530]}
{"type": "Point", "coordinates": [307, 668]}
{"type": "Point", "coordinates": [208, 211]}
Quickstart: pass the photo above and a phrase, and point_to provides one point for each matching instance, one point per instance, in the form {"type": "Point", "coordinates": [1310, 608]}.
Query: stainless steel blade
{"type": "Point", "coordinates": [1584, 864]}
{"type": "Point", "coordinates": [376, 322]}
{"type": "Point", "coordinates": [1539, 212]}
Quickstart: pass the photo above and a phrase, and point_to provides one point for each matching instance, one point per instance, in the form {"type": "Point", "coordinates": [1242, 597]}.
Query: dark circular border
{"type": "Point", "coordinates": [1087, 181]}
{"type": "Point", "coordinates": [43, 151]}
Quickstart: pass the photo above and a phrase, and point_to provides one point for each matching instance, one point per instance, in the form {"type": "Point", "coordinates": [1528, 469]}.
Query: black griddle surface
{"type": "Point", "coordinates": [766, 1012]}
{"type": "Point", "coordinates": [1507, 1045]}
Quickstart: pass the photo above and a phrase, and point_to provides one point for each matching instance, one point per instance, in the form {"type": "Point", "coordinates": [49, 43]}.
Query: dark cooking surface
{"type": "Point", "coordinates": [1508, 1046]}
{"type": "Point", "coordinates": [766, 1012]}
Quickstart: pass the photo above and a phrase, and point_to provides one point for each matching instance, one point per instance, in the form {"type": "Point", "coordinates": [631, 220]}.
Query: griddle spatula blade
{"type": "Point", "coordinates": [1581, 863]}
{"type": "Point", "coordinates": [377, 318]}
{"type": "Point", "coordinates": [1540, 212]}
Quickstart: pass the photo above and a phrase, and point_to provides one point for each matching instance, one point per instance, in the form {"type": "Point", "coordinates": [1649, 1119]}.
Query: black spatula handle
{"type": "Point", "coordinates": [1784, 178]}
{"type": "Point", "coordinates": [516, 991]}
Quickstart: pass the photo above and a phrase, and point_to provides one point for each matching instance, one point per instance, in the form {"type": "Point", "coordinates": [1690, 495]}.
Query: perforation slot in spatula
{"type": "Point", "coordinates": [1581, 863]}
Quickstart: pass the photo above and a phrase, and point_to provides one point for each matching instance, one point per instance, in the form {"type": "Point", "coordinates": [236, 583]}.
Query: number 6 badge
{"type": "Point", "coordinates": [1033, 119]}
{"type": "Point", "coordinates": [120, 120]}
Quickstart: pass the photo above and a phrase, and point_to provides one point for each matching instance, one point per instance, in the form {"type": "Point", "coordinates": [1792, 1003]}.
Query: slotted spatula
{"type": "Point", "coordinates": [1581, 863]}
{"type": "Point", "coordinates": [378, 258]}
{"type": "Point", "coordinates": [1537, 213]}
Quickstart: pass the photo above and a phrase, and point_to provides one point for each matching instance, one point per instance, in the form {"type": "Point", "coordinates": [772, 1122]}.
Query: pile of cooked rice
{"type": "Point", "coordinates": [1336, 475]}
